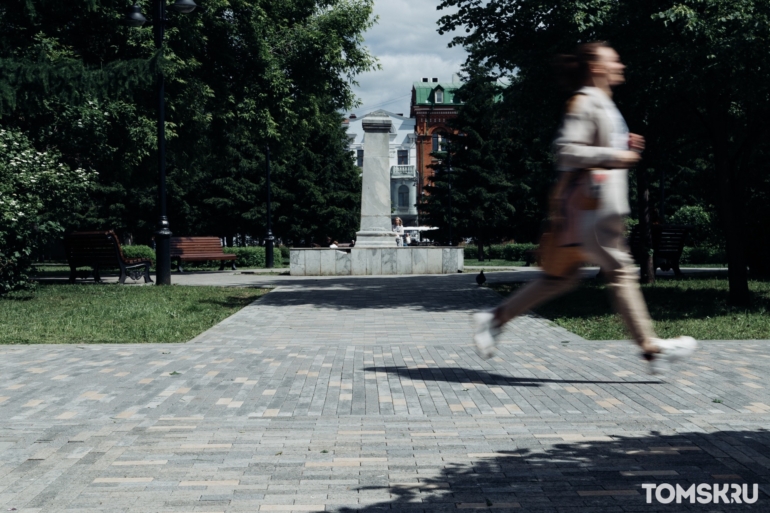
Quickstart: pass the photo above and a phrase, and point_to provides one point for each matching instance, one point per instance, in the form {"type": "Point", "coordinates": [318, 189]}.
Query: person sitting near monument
{"type": "Point", "coordinates": [399, 229]}
{"type": "Point", "coordinates": [334, 244]}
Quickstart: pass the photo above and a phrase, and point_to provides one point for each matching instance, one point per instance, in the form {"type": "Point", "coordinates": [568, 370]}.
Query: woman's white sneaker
{"type": "Point", "coordinates": [671, 350]}
{"type": "Point", "coordinates": [485, 333]}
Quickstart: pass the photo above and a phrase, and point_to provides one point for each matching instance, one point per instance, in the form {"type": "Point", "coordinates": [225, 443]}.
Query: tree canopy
{"type": "Point", "coordinates": [240, 74]}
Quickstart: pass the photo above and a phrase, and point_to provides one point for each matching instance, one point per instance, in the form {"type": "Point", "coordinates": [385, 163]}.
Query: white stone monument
{"type": "Point", "coordinates": [375, 252]}
{"type": "Point", "coordinates": [376, 230]}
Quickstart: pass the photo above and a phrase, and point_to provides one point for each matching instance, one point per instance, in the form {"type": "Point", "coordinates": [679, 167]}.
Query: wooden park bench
{"type": "Point", "coordinates": [199, 249]}
{"type": "Point", "coordinates": [667, 246]}
{"type": "Point", "coordinates": [101, 250]}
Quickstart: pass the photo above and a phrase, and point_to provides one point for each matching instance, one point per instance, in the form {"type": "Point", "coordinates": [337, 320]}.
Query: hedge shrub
{"type": "Point", "coordinates": [251, 256]}
{"type": "Point", "coordinates": [516, 253]}
{"type": "Point", "coordinates": [139, 251]}
{"type": "Point", "coordinates": [703, 255]}
{"type": "Point", "coordinates": [511, 252]}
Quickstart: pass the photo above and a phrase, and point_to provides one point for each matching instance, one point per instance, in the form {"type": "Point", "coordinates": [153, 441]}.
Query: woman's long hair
{"type": "Point", "coordinates": [573, 70]}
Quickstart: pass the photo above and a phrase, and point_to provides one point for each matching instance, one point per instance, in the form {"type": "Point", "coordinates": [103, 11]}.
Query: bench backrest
{"type": "Point", "coordinates": [195, 246]}
{"type": "Point", "coordinates": [93, 248]}
{"type": "Point", "coordinates": [665, 238]}
{"type": "Point", "coordinates": [669, 239]}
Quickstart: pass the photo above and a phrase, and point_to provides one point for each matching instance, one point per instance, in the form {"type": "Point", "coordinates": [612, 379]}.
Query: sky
{"type": "Point", "coordinates": [409, 48]}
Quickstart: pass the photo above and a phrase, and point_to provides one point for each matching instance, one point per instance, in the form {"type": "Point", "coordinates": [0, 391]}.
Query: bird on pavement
{"type": "Point", "coordinates": [481, 279]}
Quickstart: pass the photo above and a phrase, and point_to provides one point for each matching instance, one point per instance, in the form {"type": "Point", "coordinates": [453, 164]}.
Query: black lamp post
{"type": "Point", "coordinates": [449, 184]}
{"type": "Point", "coordinates": [269, 240]}
{"type": "Point", "coordinates": [134, 18]}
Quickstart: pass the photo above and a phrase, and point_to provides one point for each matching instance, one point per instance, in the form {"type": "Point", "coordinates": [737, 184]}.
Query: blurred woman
{"type": "Point", "coordinates": [594, 151]}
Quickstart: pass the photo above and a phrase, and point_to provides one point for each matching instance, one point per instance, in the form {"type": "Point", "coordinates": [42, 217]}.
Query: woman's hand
{"type": "Point", "coordinates": [636, 143]}
{"type": "Point", "coordinates": [625, 159]}
{"type": "Point", "coordinates": [628, 159]}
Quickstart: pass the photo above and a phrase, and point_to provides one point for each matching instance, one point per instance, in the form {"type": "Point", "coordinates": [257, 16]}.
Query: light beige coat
{"type": "Point", "coordinates": [585, 140]}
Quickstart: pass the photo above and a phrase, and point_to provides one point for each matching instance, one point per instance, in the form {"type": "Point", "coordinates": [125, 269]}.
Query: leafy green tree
{"type": "Point", "coordinates": [324, 191]}
{"type": "Point", "coordinates": [239, 74]}
{"type": "Point", "coordinates": [697, 85]}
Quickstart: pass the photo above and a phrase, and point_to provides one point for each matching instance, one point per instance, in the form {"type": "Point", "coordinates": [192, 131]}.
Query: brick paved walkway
{"type": "Point", "coordinates": [364, 394]}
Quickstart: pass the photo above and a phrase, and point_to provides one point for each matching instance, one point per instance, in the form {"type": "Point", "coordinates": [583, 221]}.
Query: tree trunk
{"type": "Point", "coordinates": [646, 267]}
{"type": "Point", "coordinates": [733, 209]}
{"type": "Point", "coordinates": [481, 249]}
{"type": "Point", "coordinates": [229, 241]}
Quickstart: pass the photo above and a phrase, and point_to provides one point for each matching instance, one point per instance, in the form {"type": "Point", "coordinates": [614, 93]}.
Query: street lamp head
{"type": "Point", "coordinates": [134, 17]}
{"type": "Point", "coordinates": [184, 6]}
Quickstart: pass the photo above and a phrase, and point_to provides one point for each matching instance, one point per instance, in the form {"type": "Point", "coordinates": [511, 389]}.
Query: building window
{"type": "Point", "coordinates": [403, 196]}
{"type": "Point", "coordinates": [403, 157]}
{"type": "Point", "coordinates": [438, 142]}
{"type": "Point", "coordinates": [360, 158]}
{"type": "Point", "coordinates": [439, 96]}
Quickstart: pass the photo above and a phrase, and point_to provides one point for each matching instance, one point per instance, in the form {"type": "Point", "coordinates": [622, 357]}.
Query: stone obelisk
{"type": "Point", "coordinates": [376, 230]}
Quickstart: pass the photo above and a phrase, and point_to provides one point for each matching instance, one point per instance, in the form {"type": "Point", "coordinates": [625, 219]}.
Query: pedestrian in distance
{"type": "Point", "coordinates": [398, 227]}
{"type": "Point", "coordinates": [594, 151]}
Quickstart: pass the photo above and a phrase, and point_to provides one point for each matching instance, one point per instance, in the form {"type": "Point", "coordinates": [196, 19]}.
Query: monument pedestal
{"type": "Point", "coordinates": [376, 261]}
{"type": "Point", "coordinates": [372, 239]}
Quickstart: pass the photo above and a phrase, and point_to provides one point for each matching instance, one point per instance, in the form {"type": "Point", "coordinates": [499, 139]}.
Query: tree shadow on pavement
{"type": "Point", "coordinates": [461, 375]}
{"type": "Point", "coordinates": [600, 474]}
{"type": "Point", "coordinates": [414, 293]}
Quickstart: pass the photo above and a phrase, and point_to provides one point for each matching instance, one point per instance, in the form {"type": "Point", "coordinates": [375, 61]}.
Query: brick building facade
{"type": "Point", "coordinates": [433, 104]}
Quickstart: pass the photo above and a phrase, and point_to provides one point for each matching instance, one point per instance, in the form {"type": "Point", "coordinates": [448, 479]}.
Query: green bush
{"type": "Point", "coordinates": [139, 251]}
{"type": "Point", "coordinates": [37, 191]}
{"type": "Point", "coordinates": [511, 252]}
{"type": "Point", "coordinates": [703, 227]}
{"type": "Point", "coordinates": [284, 252]}
{"type": "Point", "coordinates": [517, 252]}
{"type": "Point", "coordinates": [250, 256]}
{"type": "Point", "coordinates": [253, 256]}
{"type": "Point", "coordinates": [630, 223]}
{"type": "Point", "coordinates": [472, 252]}
{"type": "Point", "coordinates": [703, 255]}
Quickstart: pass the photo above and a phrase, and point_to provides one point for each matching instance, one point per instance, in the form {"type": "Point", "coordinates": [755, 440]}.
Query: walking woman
{"type": "Point", "coordinates": [594, 151]}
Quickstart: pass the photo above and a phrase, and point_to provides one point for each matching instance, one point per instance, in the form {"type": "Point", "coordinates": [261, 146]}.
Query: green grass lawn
{"type": "Point", "coordinates": [688, 306]}
{"type": "Point", "coordinates": [93, 313]}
